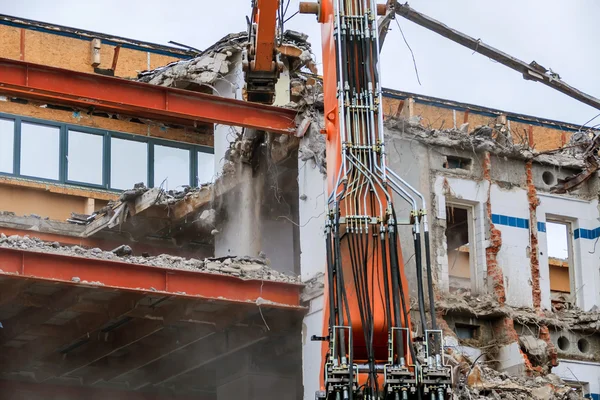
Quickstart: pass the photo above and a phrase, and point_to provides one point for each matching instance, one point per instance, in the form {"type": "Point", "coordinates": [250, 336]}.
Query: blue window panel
{"type": "Point", "coordinates": [526, 224]}
{"type": "Point", "coordinates": [512, 221]}
{"type": "Point", "coordinates": [520, 223]}
{"type": "Point", "coordinates": [503, 220]}
{"type": "Point", "coordinates": [495, 218]}
{"type": "Point", "coordinates": [576, 233]}
{"type": "Point", "coordinates": [541, 227]}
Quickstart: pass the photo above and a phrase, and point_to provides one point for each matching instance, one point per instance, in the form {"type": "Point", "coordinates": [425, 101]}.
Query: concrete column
{"type": "Point", "coordinates": [231, 87]}
{"type": "Point", "coordinates": [313, 195]}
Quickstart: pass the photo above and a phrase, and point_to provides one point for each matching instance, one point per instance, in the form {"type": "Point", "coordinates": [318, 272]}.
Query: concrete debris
{"type": "Point", "coordinates": [478, 140]}
{"type": "Point", "coordinates": [313, 288]}
{"type": "Point", "coordinates": [487, 307]}
{"type": "Point", "coordinates": [242, 267]}
{"type": "Point", "coordinates": [535, 348]}
{"type": "Point", "coordinates": [584, 146]}
{"type": "Point", "coordinates": [478, 382]}
{"type": "Point", "coordinates": [208, 218]}
{"type": "Point", "coordinates": [215, 62]}
{"type": "Point", "coordinates": [313, 145]}
{"type": "Point", "coordinates": [131, 194]}
{"type": "Point", "coordinates": [121, 251]}
{"type": "Point", "coordinates": [204, 69]}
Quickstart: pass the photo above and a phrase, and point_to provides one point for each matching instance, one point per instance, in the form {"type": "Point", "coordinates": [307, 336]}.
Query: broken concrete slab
{"type": "Point", "coordinates": [242, 267]}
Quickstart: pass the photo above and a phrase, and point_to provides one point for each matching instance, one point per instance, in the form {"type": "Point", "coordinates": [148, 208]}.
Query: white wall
{"type": "Point", "coordinates": [513, 256]}
{"type": "Point", "coordinates": [581, 371]}
{"type": "Point", "coordinates": [582, 214]}
{"type": "Point", "coordinates": [469, 193]}
{"type": "Point", "coordinates": [312, 190]}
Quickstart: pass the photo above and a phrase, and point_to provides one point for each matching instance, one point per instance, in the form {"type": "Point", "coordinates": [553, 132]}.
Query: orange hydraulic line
{"type": "Point", "coordinates": [105, 93]}
{"type": "Point", "coordinates": [334, 160]}
{"type": "Point", "coordinates": [22, 264]}
{"type": "Point", "coordinates": [265, 14]}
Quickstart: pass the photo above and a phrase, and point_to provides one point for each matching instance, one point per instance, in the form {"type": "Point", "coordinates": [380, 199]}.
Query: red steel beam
{"type": "Point", "coordinates": [143, 278]}
{"type": "Point", "coordinates": [61, 86]}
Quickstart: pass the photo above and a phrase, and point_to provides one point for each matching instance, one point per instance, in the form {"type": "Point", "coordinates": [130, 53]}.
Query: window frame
{"type": "Point", "coordinates": [18, 120]}
{"type": "Point", "coordinates": [88, 131]}
{"type": "Point", "coordinates": [571, 261]}
{"type": "Point", "coordinates": [61, 149]}
{"type": "Point", "coordinates": [475, 278]}
{"type": "Point", "coordinates": [16, 146]}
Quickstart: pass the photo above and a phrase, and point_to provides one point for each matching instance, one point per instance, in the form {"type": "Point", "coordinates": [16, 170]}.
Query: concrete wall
{"type": "Point", "coordinates": [425, 168]}
{"type": "Point", "coordinates": [513, 256]}
{"type": "Point", "coordinates": [437, 113]}
{"type": "Point", "coordinates": [581, 214]}
{"type": "Point", "coordinates": [581, 371]}
{"type": "Point", "coordinates": [311, 219]}
{"type": "Point", "coordinates": [471, 194]}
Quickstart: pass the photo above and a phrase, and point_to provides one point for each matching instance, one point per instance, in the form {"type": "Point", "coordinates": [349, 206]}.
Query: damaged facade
{"type": "Point", "coordinates": [516, 276]}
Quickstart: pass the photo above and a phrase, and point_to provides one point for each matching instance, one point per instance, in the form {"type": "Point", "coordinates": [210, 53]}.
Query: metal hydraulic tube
{"type": "Point", "coordinates": [370, 353]}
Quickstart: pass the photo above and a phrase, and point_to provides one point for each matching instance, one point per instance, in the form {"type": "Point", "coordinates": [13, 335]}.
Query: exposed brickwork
{"type": "Point", "coordinates": [552, 352]}
{"type": "Point", "coordinates": [536, 290]}
{"type": "Point", "coordinates": [494, 271]}
{"type": "Point", "coordinates": [534, 202]}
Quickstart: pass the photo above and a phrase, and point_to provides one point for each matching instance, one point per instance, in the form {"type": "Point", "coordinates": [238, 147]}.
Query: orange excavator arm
{"type": "Point", "coordinates": [260, 59]}
{"type": "Point", "coordinates": [371, 349]}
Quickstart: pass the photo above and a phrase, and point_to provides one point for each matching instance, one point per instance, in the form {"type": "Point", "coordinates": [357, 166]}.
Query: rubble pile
{"type": "Point", "coordinates": [214, 63]}
{"type": "Point", "coordinates": [204, 69]}
{"type": "Point", "coordinates": [242, 267]}
{"type": "Point", "coordinates": [478, 382]}
{"type": "Point", "coordinates": [480, 139]}
{"type": "Point", "coordinates": [487, 306]}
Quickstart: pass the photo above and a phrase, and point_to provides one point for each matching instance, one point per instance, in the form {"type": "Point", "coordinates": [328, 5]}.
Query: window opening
{"type": "Point", "coordinates": [560, 262]}
{"type": "Point", "coordinates": [7, 143]}
{"type": "Point", "coordinates": [171, 166]}
{"type": "Point", "coordinates": [128, 163]}
{"type": "Point", "coordinates": [206, 168]}
{"type": "Point", "coordinates": [458, 239]}
{"type": "Point", "coordinates": [453, 162]}
{"type": "Point", "coordinates": [466, 331]}
{"type": "Point", "coordinates": [85, 157]}
{"type": "Point", "coordinates": [40, 151]}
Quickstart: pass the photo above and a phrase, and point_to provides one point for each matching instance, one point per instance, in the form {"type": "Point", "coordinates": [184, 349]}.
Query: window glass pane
{"type": "Point", "coordinates": [85, 157]}
{"type": "Point", "coordinates": [206, 168]}
{"type": "Point", "coordinates": [172, 166]}
{"type": "Point", "coordinates": [128, 163]}
{"type": "Point", "coordinates": [40, 150]}
{"type": "Point", "coordinates": [7, 138]}
{"type": "Point", "coordinates": [558, 240]}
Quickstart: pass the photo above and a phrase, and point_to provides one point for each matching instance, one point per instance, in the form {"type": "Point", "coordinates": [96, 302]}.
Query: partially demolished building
{"type": "Point", "coordinates": [149, 255]}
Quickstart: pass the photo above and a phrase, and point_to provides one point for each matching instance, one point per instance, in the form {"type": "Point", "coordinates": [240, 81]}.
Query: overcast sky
{"type": "Point", "coordinates": [561, 35]}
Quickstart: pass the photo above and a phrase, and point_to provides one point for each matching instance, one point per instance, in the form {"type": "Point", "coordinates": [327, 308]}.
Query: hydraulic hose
{"type": "Point", "coordinates": [396, 289]}
{"type": "Point", "coordinates": [420, 294]}
{"type": "Point", "coordinates": [430, 281]}
{"type": "Point", "coordinates": [330, 279]}
{"type": "Point", "coordinates": [396, 270]}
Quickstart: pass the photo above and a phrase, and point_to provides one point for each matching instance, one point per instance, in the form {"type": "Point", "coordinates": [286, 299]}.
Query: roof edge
{"type": "Point", "coordinates": [490, 112]}
{"type": "Point", "coordinates": [84, 34]}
